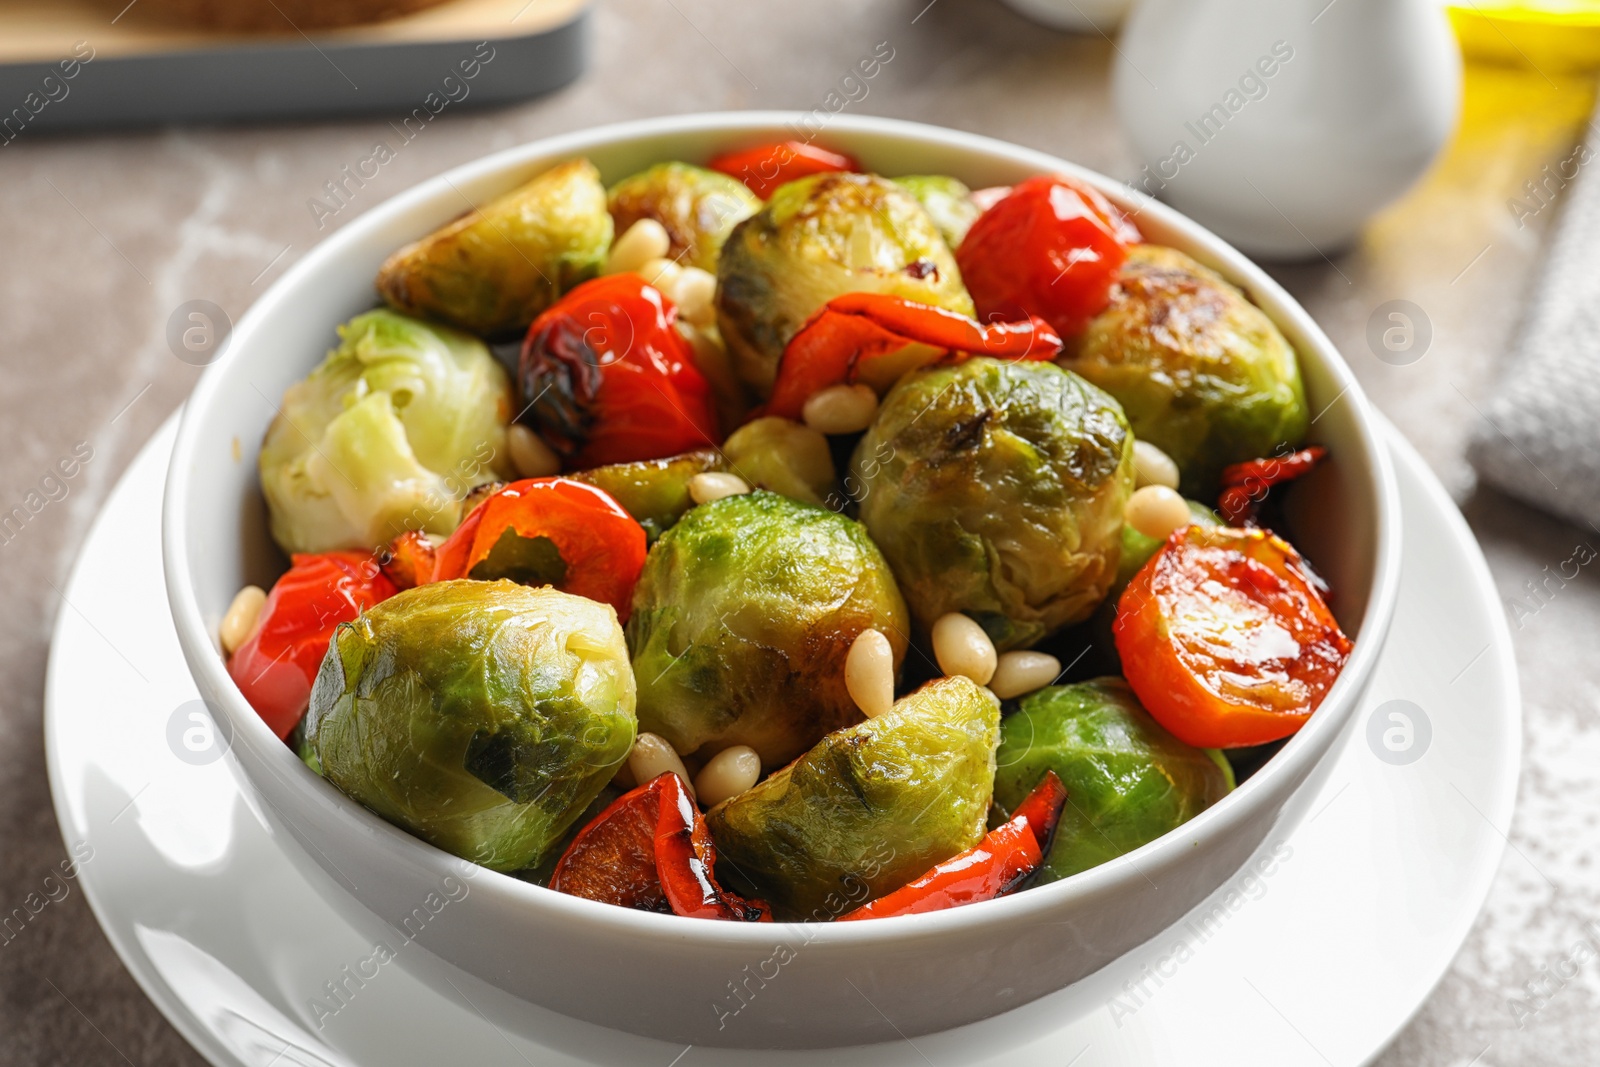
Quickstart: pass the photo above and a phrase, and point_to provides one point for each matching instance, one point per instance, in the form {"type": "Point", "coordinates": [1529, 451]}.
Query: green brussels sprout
{"type": "Point", "coordinates": [742, 619]}
{"type": "Point", "coordinates": [483, 717]}
{"type": "Point", "coordinates": [697, 207]}
{"type": "Point", "coordinates": [654, 491]}
{"type": "Point", "coordinates": [869, 808]}
{"type": "Point", "coordinates": [948, 203]}
{"type": "Point", "coordinates": [818, 238]}
{"type": "Point", "coordinates": [495, 268]}
{"type": "Point", "coordinates": [996, 488]}
{"type": "Point", "coordinates": [388, 434]}
{"type": "Point", "coordinates": [1202, 373]}
{"type": "Point", "coordinates": [1128, 780]}
{"type": "Point", "coordinates": [783, 456]}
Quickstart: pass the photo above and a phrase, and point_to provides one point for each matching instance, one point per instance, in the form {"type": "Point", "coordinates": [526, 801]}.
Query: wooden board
{"type": "Point", "coordinates": [83, 63]}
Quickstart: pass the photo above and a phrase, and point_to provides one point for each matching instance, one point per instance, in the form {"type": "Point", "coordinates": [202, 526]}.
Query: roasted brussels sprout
{"type": "Point", "coordinates": [869, 808]}
{"type": "Point", "coordinates": [1128, 780]}
{"type": "Point", "coordinates": [390, 431]}
{"type": "Point", "coordinates": [742, 620]}
{"type": "Point", "coordinates": [481, 716]}
{"type": "Point", "coordinates": [495, 268]}
{"type": "Point", "coordinates": [1201, 372]}
{"type": "Point", "coordinates": [785, 457]}
{"type": "Point", "coordinates": [996, 489]}
{"type": "Point", "coordinates": [947, 201]}
{"type": "Point", "coordinates": [815, 239]}
{"type": "Point", "coordinates": [697, 207]}
{"type": "Point", "coordinates": [654, 491]}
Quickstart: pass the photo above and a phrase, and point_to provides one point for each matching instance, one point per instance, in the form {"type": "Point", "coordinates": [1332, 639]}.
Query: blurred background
{"type": "Point", "coordinates": [159, 153]}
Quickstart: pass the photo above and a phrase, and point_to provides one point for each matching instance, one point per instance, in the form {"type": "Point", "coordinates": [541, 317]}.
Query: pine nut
{"type": "Point", "coordinates": [714, 485]}
{"type": "Point", "coordinates": [727, 774]}
{"type": "Point", "coordinates": [652, 756]}
{"type": "Point", "coordinates": [239, 622]}
{"type": "Point", "coordinates": [529, 454]}
{"type": "Point", "coordinates": [1023, 672]}
{"type": "Point", "coordinates": [869, 673]}
{"type": "Point", "coordinates": [841, 409]}
{"type": "Point", "coordinates": [1151, 466]}
{"type": "Point", "coordinates": [1156, 511]}
{"type": "Point", "coordinates": [664, 274]}
{"type": "Point", "coordinates": [694, 293]}
{"type": "Point", "coordinates": [963, 648]}
{"type": "Point", "coordinates": [643, 241]}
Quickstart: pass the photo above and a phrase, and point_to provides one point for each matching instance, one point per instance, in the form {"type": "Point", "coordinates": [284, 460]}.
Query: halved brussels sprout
{"type": "Point", "coordinates": [481, 716]}
{"type": "Point", "coordinates": [1128, 780]}
{"type": "Point", "coordinates": [495, 268]}
{"type": "Point", "coordinates": [1201, 372]}
{"type": "Point", "coordinates": [996, 488]}
{"type": "Point", "coordinates": [869, 808]}
{"type": "Point", "coordinates": [697, 207]}
{"type": "Point", "coordinates": [947, 201]}
{"type": "Point", "coordinates": [654, 491]}
{"type": "Point", "coordinates": [785, 457]}
{"type": "Point", "coordinates": [816, 239]}
{"type": "Point", "coordinates": [388, 434]}
{"type": "Point", "coordinates": [742, 620]}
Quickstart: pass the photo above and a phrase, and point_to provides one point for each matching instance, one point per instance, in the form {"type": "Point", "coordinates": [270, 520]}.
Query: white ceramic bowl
{"type": "Point", "coordinates": [724, 983]}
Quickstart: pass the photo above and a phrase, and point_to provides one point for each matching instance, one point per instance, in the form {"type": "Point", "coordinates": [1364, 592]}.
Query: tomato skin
{"type": "Point", "coordinates": [1226, 639]}
{"type": "Point", "coordinates": [607, 378]}
{"type": "Point", "coordinates": [768, 166]}
{"type": "Point", "coordinates": [276, 666]}
{"type": "Point", "coordinates": [1052, 247]}
{"type": "Point", "coordinates": [601, 545]}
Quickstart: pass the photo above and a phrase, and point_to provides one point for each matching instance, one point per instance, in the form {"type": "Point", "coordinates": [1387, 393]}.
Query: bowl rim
{"type": "Point", "coordinates": [1296, 758]}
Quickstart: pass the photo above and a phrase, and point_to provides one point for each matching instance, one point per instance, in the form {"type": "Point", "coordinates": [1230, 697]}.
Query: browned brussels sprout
{"type": "Point", "coordinates": [697, 207]}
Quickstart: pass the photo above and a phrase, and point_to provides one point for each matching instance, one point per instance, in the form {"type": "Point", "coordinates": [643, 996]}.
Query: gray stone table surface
{"type": "Point", "coordinates": [104, 235]}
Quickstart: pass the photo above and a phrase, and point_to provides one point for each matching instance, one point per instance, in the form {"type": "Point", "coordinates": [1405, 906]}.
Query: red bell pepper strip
{"type": "Point", "coordinates": [598, 547]}
{"type": "Point", "coordinates": [992, 868]}
{"type": "Point", "coordinates": [607, 378]}
{"type": "Point", "coordinates": [651, 850]}
{"type": "Point", "coordinates": [1245, 485]}
{"type": "Point", "coordinates": [276, 666]}
{"type": "Point", "coordinates": [768, 166]}
{"type": "Point", "coordinates": [856, 328]}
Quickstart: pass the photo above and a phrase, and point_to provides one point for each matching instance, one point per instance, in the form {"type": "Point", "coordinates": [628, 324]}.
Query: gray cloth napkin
{"type": "Point", "coordinates": [1540, 438]}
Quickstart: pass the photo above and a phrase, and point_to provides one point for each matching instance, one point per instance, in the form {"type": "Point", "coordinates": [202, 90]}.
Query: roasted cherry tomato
{"type": "Point", "coordinates": [651, 850]}
{"type": "Point", "coordinates": [993, 867]}
{"type": "Point", "coordinates": [768, 166]}
{"type": "Point", "coordinates": [1245, 485]}
{"type": "Point", "coordinates": [606, 378]}
{"type": "Point", "coordinates": [411, 559]}
{"type": "Point", "coordinates": [274, 669]}
{"type": "Point", "coordinates": [1226, 639]}
{"type": "Point", "coordinates": [1052, 247]}
{"type": "Point", "coordinates": [854, 334]}
{"type": "Point", "coordinates": [549, 531]}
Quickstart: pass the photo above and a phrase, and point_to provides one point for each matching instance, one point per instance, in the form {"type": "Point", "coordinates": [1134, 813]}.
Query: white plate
{"type": "Point", "coordinates": [1360, 902]}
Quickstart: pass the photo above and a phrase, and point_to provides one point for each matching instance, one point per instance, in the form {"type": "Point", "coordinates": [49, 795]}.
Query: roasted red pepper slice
{"type": "Point", "coordinates": [651, 850]}
{"type": "Point", "coordinates": [411, 559]}
{"type": "Point", "coordinates": [275, 667]}
{"type": "Point", "coordinates": [549, 531]}
{"type": "Point", "coordinates": [855, 329]}
{"type": "Point", "coordinates": [768, 166]}
{"type": "Point", "coordinates": [1245, 485]}
{"type": "Point", "coordinates": [607, 378]}
{"type": "Point", "coordinates": [1226, 639]}
{"type": "Point", "coordinates": [992, 868]}
{"type": "Point", "coordinates": [1051, 247]}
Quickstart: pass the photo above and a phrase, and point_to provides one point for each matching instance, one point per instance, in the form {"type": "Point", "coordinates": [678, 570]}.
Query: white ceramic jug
{"type": "Point", "coordinates": [1284, 124]}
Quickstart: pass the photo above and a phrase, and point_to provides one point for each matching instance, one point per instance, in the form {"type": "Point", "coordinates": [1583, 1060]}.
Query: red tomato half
{"type": "Point", "coordinates": [1225, 638]}
{"type": "Point", "coordinates": [607, 378]}
{"type": "Point", "coordinates": [768, 166]}
{"type": "Point", "coordinates": [1051, 247]}
{"type": "Point", "coordinates": [275, 667]}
